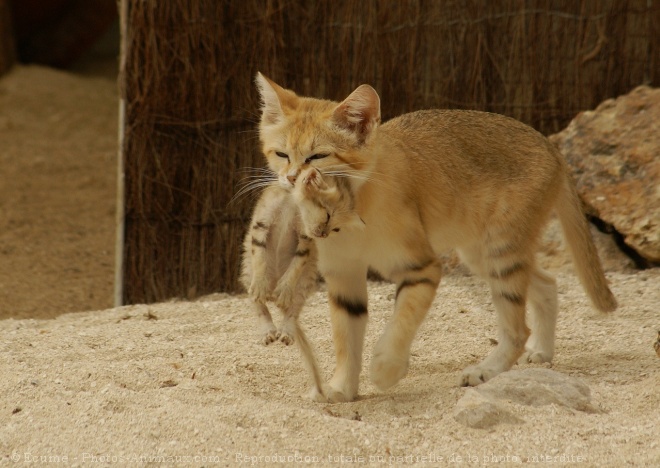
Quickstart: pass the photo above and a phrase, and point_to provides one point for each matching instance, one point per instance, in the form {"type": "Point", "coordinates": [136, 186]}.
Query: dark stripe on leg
{"type": "Point", "coordinates": [407, 283]}
{"type": "Point", "coordinates": [353, 307]}
{"type": "Point", "coordinates": [502, 250]}
{"type": "Point", "coordinates": [420, 266]}
{"type": "Point", "coordinates": [514, 298]}
{"type": "Point", "coordinates": [258, 243]}
{"type": "Point", "coordinates": [506, 272]}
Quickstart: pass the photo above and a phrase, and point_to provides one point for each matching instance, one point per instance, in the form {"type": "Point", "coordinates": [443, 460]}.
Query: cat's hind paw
{"type": "Point", "coordinates": [534, 357]}
{"type": "Point", "coordinates": [286, 338]}
{"type": "Point", "coordinates": [476, 375]}
{"type": "Point", "coordinates": [271, 336]}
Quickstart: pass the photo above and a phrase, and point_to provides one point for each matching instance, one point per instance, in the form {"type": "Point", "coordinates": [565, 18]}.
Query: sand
{"type": "Point", "coordinates": [187, 383]}
{"type": "Point", "coordinates": [58, 160]}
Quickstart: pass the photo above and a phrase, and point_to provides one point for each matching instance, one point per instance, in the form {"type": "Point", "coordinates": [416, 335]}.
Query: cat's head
{"type": "Point", "coordinates": [298, 132]}
{"type": "Point", "coordinates": [325, 204]}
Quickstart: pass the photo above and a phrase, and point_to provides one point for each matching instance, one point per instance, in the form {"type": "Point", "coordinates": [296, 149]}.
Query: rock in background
{"type": "Point", "coordinates": [614, 152]}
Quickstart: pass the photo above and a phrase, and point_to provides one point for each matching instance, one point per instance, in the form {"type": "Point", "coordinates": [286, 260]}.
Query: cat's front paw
{"type": "Point", "coordinates": [387, 368]}
{"type": "Point", "coordinates": [340, 390]}
{"type": "Point", "coordinates": [338, 396]}
{"type": "Point", "coordinates": [313, 182]}
{"type": "Point", "coordinates": [317, 396]}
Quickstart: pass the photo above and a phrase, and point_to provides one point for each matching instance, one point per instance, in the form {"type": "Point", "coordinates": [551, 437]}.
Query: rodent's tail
{"type": "Point", "coordinates": [309, 359]}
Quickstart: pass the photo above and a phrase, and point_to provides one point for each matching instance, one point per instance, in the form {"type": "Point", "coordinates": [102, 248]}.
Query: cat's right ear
{"type": "Point", "coordinates": [359, 113]}
{"type": "Point", "coordinates": [273, 99]}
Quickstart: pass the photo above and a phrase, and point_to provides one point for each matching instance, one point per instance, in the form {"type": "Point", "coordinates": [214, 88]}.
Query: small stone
{"type": "Point", "coordinates": [539, 387]}
{"type": "Point", "coordinates": [492, 402]}
{"type": "Point", "coordinates": [480, 412]}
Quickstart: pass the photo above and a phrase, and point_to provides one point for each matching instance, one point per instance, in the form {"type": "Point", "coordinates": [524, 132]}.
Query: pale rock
{"type": "Point", "coordinates": [494, 402]}
{"type": "Point", "coordinates": [477, 411]}
{"type": "Point", "coordinates": [539, 387]}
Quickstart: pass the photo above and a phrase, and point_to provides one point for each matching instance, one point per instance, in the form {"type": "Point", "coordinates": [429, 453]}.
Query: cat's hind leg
{"type": "Point", "coordinates": [295, 285]}
{"type": "Point", "coordinates": [507, 272]}
{"type": "Point", "coordinates": [543, 318]}
{"type": "Point", "coordinates": [266, 328]}
{"type": "Point", "coordinates": [287, 332]}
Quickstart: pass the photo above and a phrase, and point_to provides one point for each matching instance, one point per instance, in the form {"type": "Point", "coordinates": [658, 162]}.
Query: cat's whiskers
{"type": "Point", "coordinates": [251, 187]}
{"type": "Point", "coordinates": [344, 170]}
{"type": "Point", "coordinates": [256, 170]}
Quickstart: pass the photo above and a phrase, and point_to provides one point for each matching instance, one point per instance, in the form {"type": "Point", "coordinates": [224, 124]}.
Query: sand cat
{"type": "Point", "coordinates": [279, 258]}
{"type": "Point", "coordinates": [423, 182]}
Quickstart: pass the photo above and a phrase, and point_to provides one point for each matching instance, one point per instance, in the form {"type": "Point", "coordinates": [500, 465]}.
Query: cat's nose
{"type": "Point", "coordinates": [291, 178]}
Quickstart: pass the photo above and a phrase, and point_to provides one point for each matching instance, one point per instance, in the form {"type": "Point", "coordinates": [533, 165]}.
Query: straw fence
{"type": "Point", "coordinates": [191, 106]}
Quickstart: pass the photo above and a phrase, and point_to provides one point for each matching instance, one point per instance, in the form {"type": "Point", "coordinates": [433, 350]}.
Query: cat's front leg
{"type": "Point", "coordinates": [260, 283]}
{"type": "Point", "coordinates": [416, 286]}
{"type": "Point", "coordinates": [347, 295]}
{"type": "Point", "coordinates": [295, 286]}
{"type": "Point", "coordinates": [314, 187]}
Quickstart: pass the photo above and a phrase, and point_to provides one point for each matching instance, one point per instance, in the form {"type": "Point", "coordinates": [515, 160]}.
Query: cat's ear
{"type": "Point", "coordinates": [274, 99]}
{"type": "Point", "coordinates": [359, 112]}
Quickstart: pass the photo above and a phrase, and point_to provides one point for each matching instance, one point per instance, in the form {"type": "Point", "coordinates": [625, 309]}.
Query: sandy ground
{"type": "Point", "coordinates": [58, 160]}
{"type": "Point", "coordinates": [186, 383]}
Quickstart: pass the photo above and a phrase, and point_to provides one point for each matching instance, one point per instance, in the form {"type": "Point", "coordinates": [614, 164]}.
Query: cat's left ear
{"type": "Point", "coordinates": [274, 99]}
{"type": "Point", "coordinates": [359, 112]}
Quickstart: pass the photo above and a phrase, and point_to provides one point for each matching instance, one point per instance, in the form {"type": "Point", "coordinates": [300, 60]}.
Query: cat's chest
{"type": "Point", "coordinates": [385, 254]}
{"type": "Point", "coordinates": [371, 247]}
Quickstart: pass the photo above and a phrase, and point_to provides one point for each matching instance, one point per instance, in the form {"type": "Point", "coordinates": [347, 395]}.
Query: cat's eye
{"type": "Point", "coordinates": [316, 156]}
{"type": "Point", "coordinates": [282, 155]}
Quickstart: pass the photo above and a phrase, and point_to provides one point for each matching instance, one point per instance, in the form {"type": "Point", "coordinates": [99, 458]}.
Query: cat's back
{"type": "Point", "coordinates": [454, 125]}
{"type": "Point", "coordinates": [479, 140]}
